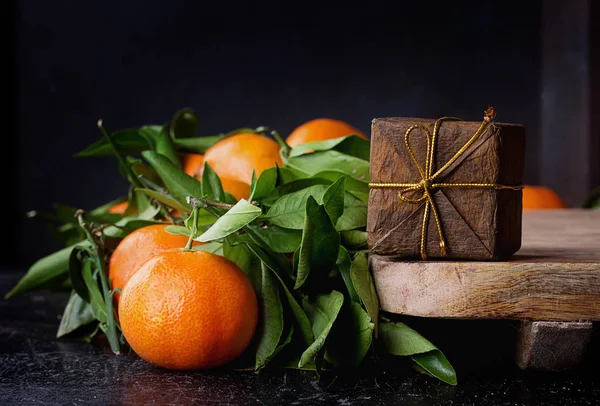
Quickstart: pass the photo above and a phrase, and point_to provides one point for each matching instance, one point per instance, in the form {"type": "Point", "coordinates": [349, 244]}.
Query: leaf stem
{"type": "Point", "coordinates": [132, 178]}
{"type": "Point", "coordinates": [281, 142]}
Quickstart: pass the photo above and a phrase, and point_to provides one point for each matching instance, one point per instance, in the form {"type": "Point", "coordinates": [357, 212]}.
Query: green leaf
{"type": "Point", "coordinates": [198, 145]}
{"type": "Point", "coordinates": [238, 253]}
{"type": "Point", "coordinates": [291, 187]}
{"type": "Point", "coordinates": [316, 162]}
{"type": "Point", "coordinates": [437, 365]}
{"type": "Point", "coordinates": [352, 145]}
{"type": "Point", "coordinates": [278, 239]}
{"type": "Point", "coordinates": [107, 206]}
{"type": "Point", "coordinates": [150, 133]}
{"type": "Point", "coordinates": [365, 287]}
{"type": "Point", "coordinates": [214, 247]}
{"type": "Point", "coordinates": [66, 214]}
{"type": "Point", "coordinates": [344, 265]}
{"type": "Point", "coordinates": [148, 214]}
{"type": "Point", "coordinates": [399, 339]}
{"type": "Point", "coordinates": [319, 240]}
{"type": "Point", "coordinates": [130, 223]}
{"type": "Point", "coordinates": [129, 141]}
{"type": "Point", "coordinates": [289, 210]}
{"type": "Point", "coordinates": [63, 213]}
{"type": "Point", "coordinates": [75, 274]}
{"type": "Point", "coordinates": [204, 218]}
{"type": "Point", "coordinates": [271, 320]}
{"type": "Point", "coordinates": [202, 143]}
{"type": "Point", "coordinates": [179, 183]}
{"type": "Point", "coordinates": [185, 123]}
{"type": "Point", "coordinates": [285, 175]}
{"type": "Point", "coordinates": [165, 147]}
{"type": "Point", "coordinates": [355, 214]}
{"type": "Point", "coordinates": [163, 199]}
{"type": "Point", "coordinates": [293, 364]}
{"type": "Point", "coordinates": [178, 230]}
{"type": "Point", "coordinates": [138, 203]}
{"type": "Point", "coordinates": [358, 188]}
{"type": "Point", "coordinates": [333, 199]}
{"type": "Point", "coordinates": [354, 239]}
{"type": "Point", "coordinates": [45, 270]}
{"type": "Point", "coordinates": [284, 342]}
{"type": "Point", "coordinates": [141, 170]}
{"type": "Point", "coordinates": [351, 339]}
{"type": "Point", "coordinates": [322, 315]}
{"type": "Point", "coordinates": [211, 185]}
{"type": "Point", "coordinates": [77, 313]}
{"type": "Point", "coordinates": [67, 234]}
{"type": "Point", "coordinates": [300, 316]}
{"type": "Point", "coordinates": [279, 262]}
{"type": "Point", "coordinates": [266, 182]}
{"type": "Point", "coordinates": [240, 215]}
{"type": "Point", "coordinates": [97, 302]}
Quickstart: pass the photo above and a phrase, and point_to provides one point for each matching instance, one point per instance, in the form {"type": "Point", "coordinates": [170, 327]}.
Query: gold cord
{"type": "Point", "coordinates": [428, 176]}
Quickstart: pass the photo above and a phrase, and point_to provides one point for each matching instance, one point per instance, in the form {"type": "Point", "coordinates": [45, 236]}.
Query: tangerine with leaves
{"type": "Point", "coordinates": [188, 310]}
{"type": "Point", "coordinates": [137, 248]}
{"type": "Point", "coordinates": [237, 156]}
{"type": "Point", "coordinates": [321, 129]}
{"type": "Point", "coordinates": [193, 165]}
{"type": "Point", "coordinates": [541, 197]}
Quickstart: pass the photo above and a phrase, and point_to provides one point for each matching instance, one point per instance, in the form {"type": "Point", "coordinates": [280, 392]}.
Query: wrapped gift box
{"type": "Point", "coordinates": [446, 188]}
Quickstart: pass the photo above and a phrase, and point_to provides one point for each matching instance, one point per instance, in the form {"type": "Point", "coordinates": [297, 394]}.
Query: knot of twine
{"type": "Point", "coordinates": [427, 183]}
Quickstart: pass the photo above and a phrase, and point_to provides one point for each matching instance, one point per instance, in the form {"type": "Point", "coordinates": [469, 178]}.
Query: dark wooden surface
{"type": "Point", "coordinates": [481, 223]}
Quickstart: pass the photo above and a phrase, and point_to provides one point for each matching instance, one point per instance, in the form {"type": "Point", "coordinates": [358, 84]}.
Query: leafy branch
{"type": "Point", "coordinates": [300, 238]}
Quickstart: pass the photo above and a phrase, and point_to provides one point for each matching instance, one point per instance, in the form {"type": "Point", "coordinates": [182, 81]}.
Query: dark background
{"type": "Point", "coordinates": [239, 64]}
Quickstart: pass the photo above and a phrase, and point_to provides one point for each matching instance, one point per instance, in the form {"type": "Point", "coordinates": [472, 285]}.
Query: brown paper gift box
{"type": "Point", "coordinates": [479, 223]}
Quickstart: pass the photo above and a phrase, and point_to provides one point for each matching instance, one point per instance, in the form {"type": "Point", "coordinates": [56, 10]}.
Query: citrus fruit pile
{"type": "Point", "coordinates": [244, 249]}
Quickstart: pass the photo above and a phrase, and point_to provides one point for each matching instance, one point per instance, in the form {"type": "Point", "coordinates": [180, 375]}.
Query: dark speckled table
{"type": "Point", "coordinates": [35, 368]}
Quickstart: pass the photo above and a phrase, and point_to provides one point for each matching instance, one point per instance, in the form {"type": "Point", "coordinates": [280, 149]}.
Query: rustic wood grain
{"type": "Point", "coordinates": [479, 224]}
{"type": "Point", "coordinates": [552, 346]}
{"type": "Point", "coordinates": [555, 276]}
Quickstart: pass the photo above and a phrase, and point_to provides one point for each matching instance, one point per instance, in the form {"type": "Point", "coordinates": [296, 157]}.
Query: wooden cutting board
{"type": "Point", "coordinates": [554, 277]}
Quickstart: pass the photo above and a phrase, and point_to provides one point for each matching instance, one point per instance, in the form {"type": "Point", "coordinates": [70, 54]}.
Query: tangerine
{"type": "Point", "coordinates": [541, 197]}
{"type": "Point", "coordinates": [237, 156]}
{"type": "Point", "coordinates": [188, 310]}
{"type": "Point", "coordinates": [321, 129]}
{"type": "Point", "coordinates": [193, 165]}
{"type": "Point", "coordinates": [137, 248]}
{"type": "Point", "coordinates": [119, 208]}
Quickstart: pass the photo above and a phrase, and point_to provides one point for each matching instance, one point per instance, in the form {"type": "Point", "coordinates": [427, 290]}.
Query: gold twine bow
{"type": "Point", "coordinates": [428, 177]}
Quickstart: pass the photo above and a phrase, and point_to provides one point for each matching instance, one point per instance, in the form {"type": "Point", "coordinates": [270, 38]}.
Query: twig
{"type": "Point", "coordinates": [218, 205]}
